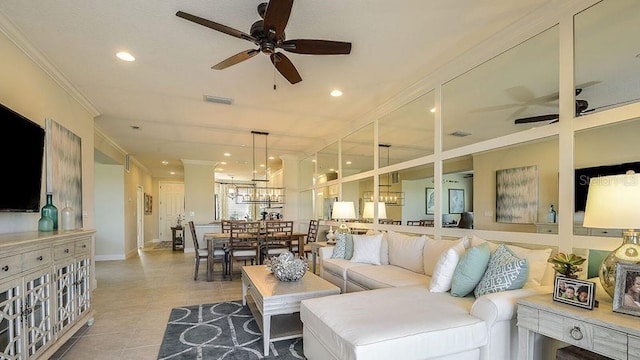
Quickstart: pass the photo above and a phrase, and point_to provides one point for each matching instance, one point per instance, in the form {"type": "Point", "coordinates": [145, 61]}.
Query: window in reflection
{"type": "Point", "coordinates": [409, 129]}
{"type": "Point", "coordinates": [501, 96]}
{"type": "Point", "coordinates": [357, 151]}
{"type": "Point", "coordinates": [541, 153]}
{"type": "Point", "coordinates": [622, 154]}
{"type": "Point", "coordinates": [327, 163]}
{"type": "Point", "coordinates": [606, 53]}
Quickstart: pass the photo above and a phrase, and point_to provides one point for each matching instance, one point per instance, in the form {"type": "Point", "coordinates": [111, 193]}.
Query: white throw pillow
{"type": "Point", "coordinates": [432, 251]}
{"type": "Point", "coordinates": [444, 269]}
{"type": "Point", "coordinates": [405, 251]}
{"type": "Point", "coordinates": [384, 247]}
{"type": "Point", "coordinates": [366, 249]}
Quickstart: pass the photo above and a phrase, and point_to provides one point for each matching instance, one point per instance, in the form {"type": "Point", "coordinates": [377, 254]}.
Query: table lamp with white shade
{"type": "Point", "coordinates": [367, 212]}
{"type": "Point", "coordinates": [613, 203]}
{"type": "Point", "coordinates": [343, 210]}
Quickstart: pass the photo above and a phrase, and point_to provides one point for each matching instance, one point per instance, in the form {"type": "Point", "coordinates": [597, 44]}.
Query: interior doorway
{"type": "Point", "coordinates": [170, 207]}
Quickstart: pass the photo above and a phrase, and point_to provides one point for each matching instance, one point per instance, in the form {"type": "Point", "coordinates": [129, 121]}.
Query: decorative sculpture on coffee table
{"type": "Point", "coordinates": [286, 267]}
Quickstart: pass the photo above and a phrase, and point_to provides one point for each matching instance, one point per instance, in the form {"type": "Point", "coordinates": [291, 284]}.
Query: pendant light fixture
{"type": "Point", "coordinates": [385, 195]}
{"type": "Point", "coordinates": [259, 192]}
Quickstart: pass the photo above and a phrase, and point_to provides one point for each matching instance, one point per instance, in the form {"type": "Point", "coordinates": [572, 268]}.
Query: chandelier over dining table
{"type": "Point", "coordinates": [258, 192]}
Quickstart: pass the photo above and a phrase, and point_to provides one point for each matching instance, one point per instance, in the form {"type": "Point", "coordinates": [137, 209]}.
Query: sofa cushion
{"type": "Point", "coordinates": [445, 267]}
{"type": "Point", "coordinates": [406, 251]}
{"type": "Point", "coordinates": [338, 266]}
{"type": "Point", "coordinates": [383, 276]}
{"type": "Point", "coordinates": [393, 323]}
{"type": "Point", "coordinates": [470, 270]}
{"type": "Point", "coordinates": [366, 249]}
{"type": "Point", "coordinates": [505, 271]}
{"type": "Point", "coordinates": [432, 251]}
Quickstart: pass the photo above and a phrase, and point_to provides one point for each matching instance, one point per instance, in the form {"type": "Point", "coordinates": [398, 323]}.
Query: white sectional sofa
{"type": "Point", "coordinates": [407, 311]}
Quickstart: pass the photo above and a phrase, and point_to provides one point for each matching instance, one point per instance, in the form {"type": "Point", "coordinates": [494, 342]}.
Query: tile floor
{"type": "Point", "coordinates": [134, 298]}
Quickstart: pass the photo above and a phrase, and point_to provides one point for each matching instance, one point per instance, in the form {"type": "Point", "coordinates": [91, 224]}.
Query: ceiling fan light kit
{"type": "Point", "coordinates": [268, 34]}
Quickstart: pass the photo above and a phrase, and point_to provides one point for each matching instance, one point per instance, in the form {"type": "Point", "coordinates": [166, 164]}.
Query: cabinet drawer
{"type": "Point", "coordinates": [547, 229]}
{"type": "Point", "coordinates": [606, 232]}
{"type": "Point", "coordinates": [82, 246]}
{"type": "Point", "coordinates": [527, 317]}
{"type": "Point", "coordinates": [610, 342]}
{"type": "Point", "coordinates": [62, 251]}
{"type": "Point", "coordinates": [634, 348]}
{"type": "Point", "coordinates": [33, 259]}
{"type": "Point", "coordinates": [550, 324]}
{"type": "Point", "coordinates": [9, 266]}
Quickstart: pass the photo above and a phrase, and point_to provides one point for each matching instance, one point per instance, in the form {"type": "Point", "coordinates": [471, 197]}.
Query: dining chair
{"type": "Point", "coordinates": [219, 254]}
{"type": "Point", "coordinates": [244, 243]}
{"type": "Point", "coordinates": [278, 238]}
{"type": "Point", "coordinates": [312, 236]}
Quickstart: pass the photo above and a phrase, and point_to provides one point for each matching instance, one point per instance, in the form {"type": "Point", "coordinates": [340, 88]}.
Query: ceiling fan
{"type": "Point", "coordinates": [268, 34]}
{"type": "Point", "coordinates": [582, 106]}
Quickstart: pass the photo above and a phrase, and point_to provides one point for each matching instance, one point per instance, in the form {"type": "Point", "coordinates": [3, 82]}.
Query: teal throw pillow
{"type": "Point", "coordinates": [470, 270]}
{"type": "Point", "coordinates": [505, 272]}
{"type": "Point", "coordinates": [348, 247]}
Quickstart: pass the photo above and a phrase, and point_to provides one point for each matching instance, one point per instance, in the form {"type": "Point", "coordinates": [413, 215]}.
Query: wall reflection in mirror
{"type": "Point", "coordinates": [606, 54]}
{"type": "Point", "coordinates": [509, 93]}
{"type": "Point", "coordinates": [357, 150]}
{"type": "Point", "coordinates": [327, 163]}
{"type": "Point", "coordinates": [622, 154]}
{"type": "Point", "coordinates": [409, 130]}
{"type": "Point", "coordinates": [515, 186]}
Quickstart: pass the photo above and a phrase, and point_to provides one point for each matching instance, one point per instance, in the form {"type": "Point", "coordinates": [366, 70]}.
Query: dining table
{"type": "Point", "coordinates": [220, 240]}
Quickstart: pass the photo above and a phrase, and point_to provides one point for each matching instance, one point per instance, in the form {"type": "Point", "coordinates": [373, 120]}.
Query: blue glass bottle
{"type": "Point", "coordinates": [50, 211]}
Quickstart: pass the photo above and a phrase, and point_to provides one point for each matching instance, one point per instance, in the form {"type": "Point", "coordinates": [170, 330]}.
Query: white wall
{"type": "Point", "coordinates": [110, 232]}
{"type": "Point", "coordinates": [30, 91]}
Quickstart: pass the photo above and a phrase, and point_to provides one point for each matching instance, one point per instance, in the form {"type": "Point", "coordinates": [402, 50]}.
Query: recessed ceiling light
{"type": "Point", "coordinates": [336, 93]}
{"type": "Point", "coordinates": [172, 172]}
{"type": "Point", "coordinates": [165, 162]}
{"type": "Point", "coordinates": [219, 169]}
{"type": "Point", "coordinates": [271, 158]}
{"type": "Point", "coordinates": [223, 163]}
{"type": "Point", "coordinates": [227, 154]}
{"type": "Point", "coordinates": [261, 165]}
{"type": "Point", "coordinates": [433, 110]}
{"type": "Point", "coordinates": [125, 56]}
{"type": "Point", "coordinates": [349, 163]}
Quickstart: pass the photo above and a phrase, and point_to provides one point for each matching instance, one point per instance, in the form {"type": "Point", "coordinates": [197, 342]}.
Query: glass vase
{"type": "Point", "coordinates": [50, 211]}
{"type": "Point", "coordinates": [45, 224]}
{"type": "Point", "coordinates": [68, 218]}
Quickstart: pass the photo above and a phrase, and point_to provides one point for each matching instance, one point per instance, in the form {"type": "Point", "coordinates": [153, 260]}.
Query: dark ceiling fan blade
{"type": "Point", "coordinates": [316, 47]}
{"type": "Point", "coordinates": [239, 57]}
{"type": "Point", "coordinates": [285, 67]}
{"type": "Point", "coordinates": [277, 17]}
{"type": "Point", "coordinates": [538, 118]}
{"type": "Point", "coordinates": [218, 27]}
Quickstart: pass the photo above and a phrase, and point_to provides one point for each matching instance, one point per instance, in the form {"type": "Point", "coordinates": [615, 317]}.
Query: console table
{"type": "Point", "coordinates": [600, 330]}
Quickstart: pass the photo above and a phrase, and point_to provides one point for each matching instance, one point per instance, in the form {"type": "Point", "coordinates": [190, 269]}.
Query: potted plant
{"type": "Point", "coordinates": [567, 265]}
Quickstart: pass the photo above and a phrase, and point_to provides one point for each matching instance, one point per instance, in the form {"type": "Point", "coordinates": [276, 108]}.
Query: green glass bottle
{"type": "Point", "coordinates": [45, 224]}
{"type": "Point", "coordinates": [50, 211]}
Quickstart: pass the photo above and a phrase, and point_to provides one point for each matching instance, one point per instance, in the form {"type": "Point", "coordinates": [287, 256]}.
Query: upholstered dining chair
{"type": "Point", "coordinates": [219, 254]}
{"type": "Point", "coordinates": [244, 243]}
{"type": "Point", "coordinates": [278, 238]}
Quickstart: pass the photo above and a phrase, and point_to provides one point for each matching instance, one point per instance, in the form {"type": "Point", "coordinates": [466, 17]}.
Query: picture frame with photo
{"type": "Point", "coordinates": [626, 298]}
{"type": "Point", "coordinates": [574, 292]}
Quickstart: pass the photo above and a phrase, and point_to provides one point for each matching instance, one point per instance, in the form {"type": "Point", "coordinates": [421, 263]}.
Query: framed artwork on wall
{"type": "Point", "coordinates": [517, 195]}
{"type": "Point", "coordinates": [148, 204]}
{"type": "Point", "coordinates": [430, 202]}
{"type": "Point", "coordinates": [456, 201]}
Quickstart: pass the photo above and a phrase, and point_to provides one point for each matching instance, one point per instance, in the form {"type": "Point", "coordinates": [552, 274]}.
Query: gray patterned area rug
{"type": "Point", "coordinates": [225, 330]}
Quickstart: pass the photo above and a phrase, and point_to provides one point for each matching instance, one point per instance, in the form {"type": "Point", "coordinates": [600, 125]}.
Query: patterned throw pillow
{"type": "Point", "coordinates": [339, 248]}
{"type": "Point", "coordinates": [504, 272]}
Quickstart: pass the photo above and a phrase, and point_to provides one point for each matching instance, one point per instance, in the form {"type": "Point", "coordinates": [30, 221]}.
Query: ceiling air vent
{"type": "Point", "coordinates": [460, 133]}
{"type": "Point", "coordinates": [217, 99]}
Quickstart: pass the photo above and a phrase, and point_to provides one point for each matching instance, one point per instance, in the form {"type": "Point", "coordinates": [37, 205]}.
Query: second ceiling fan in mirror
{"type": "Point", "coordinates": [268, 34]}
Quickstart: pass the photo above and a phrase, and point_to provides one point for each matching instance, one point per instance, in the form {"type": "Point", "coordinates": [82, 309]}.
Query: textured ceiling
{"type": "Point", "coordinates": [394, 45]}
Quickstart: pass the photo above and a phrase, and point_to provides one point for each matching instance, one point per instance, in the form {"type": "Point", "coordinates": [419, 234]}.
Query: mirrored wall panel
{"type": "Point", "coordinates": [325, 197]}
{"type": "Point", "coordinates": [457, 192]}
{"type": "Point", "coordinates": [327, 159]}
{"type": "Point", "coordinates": [357, 151]}
{"type": "Point", "coordinates": [408, 130]}
{"type": "Point", "coordinates": [607, 56]}
{"type": "Point", "coordinates": [515, 186]}
{"type": "Point", "coordinates": [621, 154]}
{"type": "Point", "coordinates": [353, 190]}
{"type": "Point", "coordinates": [512, 92]}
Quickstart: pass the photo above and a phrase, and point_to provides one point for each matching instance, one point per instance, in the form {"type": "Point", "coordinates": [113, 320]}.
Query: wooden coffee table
{"type": "Point", "coordinates": [276, 304]}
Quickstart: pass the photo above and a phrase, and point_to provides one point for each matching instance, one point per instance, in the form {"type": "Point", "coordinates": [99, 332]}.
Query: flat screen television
{"type": "Point", "coordinates": [584, 175]}
{"type": "Point", "coordinates": [22, 146]}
